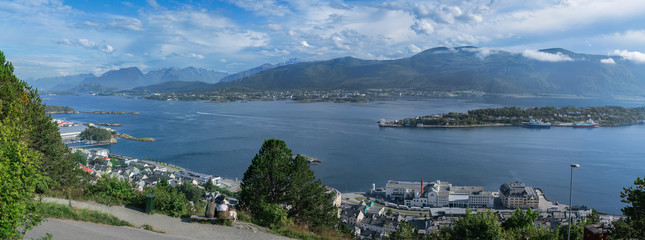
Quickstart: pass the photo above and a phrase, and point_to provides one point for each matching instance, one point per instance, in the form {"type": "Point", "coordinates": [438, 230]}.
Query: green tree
{"type": "Point", "coordinates": [483, 225]}
{"type": "Point", "coordinates": [96, 134]}
{"type": "Point", "coordinates": [404, 231]}
{"type": "Point", "coordinates": [521, 219]}
{"type": "Point", "coordinates": [276, 177]}
{"type": "Point", "coordinates": [19, 164]}
{"type": "Point", "coordinates": [191, 192]}
{"type": "Point", "coordinates": [266, 180]}
{"type": "Point", "coordinates": [80, 158]}
{"type": "Point", "coordinates": [634, 226]}
{"type": "Point", "coordinates": [307, 198]}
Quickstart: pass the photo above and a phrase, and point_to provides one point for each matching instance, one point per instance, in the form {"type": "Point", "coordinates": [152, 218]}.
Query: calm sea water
{"type": "Point", "coordinates": [222, 138]}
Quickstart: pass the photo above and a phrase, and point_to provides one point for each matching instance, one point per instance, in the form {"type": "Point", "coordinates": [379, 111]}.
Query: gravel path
{"type": "Point", "coordinates": [169, 225]}
{"type": "Point", "coordinates": [68, 229]}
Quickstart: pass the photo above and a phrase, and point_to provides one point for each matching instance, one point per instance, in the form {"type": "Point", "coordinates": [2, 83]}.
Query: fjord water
{"type": "Point", "coordinates": [222, 138]}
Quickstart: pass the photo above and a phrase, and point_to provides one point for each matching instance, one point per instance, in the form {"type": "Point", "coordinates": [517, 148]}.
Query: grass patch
{"type": "Point", "coordinates": [61, 211]}
{"type": "Point", "coordinates": [149, 228]}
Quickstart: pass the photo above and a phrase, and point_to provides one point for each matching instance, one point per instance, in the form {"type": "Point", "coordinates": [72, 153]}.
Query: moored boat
{"type": "Point", "coordinates": [586, 124]}
{"type": "Point", "coordinates": [536, 124]}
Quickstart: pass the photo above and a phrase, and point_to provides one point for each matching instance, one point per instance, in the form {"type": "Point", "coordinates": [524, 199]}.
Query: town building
{"type": "Point", "coordinates": [71, 132]}
{"type": "Point", "coordinates": [518, 195]}
{"type": "Point", "coordinates": [336, 200]}
{"type": "Point", "coordinates": [444, 194]}
{"type": "Point", "coordinates": [401, 190]}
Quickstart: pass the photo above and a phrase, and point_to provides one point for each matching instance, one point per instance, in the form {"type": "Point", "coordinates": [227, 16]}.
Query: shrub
{"type": "Point", "coordinates": [272, 215]}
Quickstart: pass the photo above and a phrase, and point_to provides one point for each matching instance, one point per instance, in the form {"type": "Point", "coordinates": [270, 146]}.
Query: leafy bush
{"type": "Point", "coordinates": [167, 199]}
{"type": "Point", "coordinates": [272, 215]}
{"type": "Point", "coordinates": [112, 191]}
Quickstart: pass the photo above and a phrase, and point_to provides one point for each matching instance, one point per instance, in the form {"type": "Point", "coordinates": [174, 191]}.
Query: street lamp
{"type": "Point", "coordinates": [570, 202]}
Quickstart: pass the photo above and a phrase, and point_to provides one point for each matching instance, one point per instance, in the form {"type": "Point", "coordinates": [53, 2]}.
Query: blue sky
{"type": "Point", "coordinates": [46, 38]}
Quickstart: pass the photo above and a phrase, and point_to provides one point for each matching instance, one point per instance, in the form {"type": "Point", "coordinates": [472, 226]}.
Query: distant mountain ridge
{"type": "Point", "coordinates": [126, 78]}
{"type": "Point", "coordinates": [258, 69]}
{"type": "Point", "coordinates": [547, 72]}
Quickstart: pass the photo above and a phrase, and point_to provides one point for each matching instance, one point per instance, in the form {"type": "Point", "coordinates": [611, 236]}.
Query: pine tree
{"type": "Point", "coordinates": [276, 177]}
{"type": "Point", "coordinates": [634, 226]}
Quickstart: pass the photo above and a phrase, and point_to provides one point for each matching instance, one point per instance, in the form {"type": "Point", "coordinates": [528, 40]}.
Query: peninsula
{"type": "Point", "coordinates": [515, 116]}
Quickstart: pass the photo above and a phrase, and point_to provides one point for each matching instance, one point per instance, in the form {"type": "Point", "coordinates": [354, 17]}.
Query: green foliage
{"type": "Point", "coordinates": [577, 231]}
{"type": "Point", "coordinates": [276, 177]}
{"type": "Point", "coordinates": [531, 232]}
{"type": "Point", "coordinates": [634, 226]}
{"type": "Point", "coordinates": [18, 178]}
{"type": "Point", "coordinates": [483, 225]}
{"type": "Point", "coordinates": [96, 134]}
{"type": "Point", "coordinates": [191, 192]}
{"type": "Point", "coordinates": [521, 219]}
{"type": "Point", "coordinates": [62, 211]}
{"type": "Point", "coordinates": [593, 218]}
{"type": "Point", "coordinates": [115, 162]}
{"type": "Point", "coordinates": [80, 158]}
{"type": "Point", "coordinates": [167, 199]}
{"type": "Point", "coordinates": [112, 191]}
{"type": "Point", "coordinates": [209, 186]}
{"type": "Point", "coordinates": [19, 160]}
{"type": "Point", "coordinates": [405, 231]}
{"type": "Point", "coordinates": [272, 215]}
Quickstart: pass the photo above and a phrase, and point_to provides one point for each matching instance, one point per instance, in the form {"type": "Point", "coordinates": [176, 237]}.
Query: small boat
{"type": "Point", "coordinates": [536, 124]}
{"type": "Point", "coordinates": [586, 124]}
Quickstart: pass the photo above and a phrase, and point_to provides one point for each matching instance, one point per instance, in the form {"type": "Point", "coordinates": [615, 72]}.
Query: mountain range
{"type": "Point", "coordinates": [545, 72]}
{"type": "Point", "coordinates": [126, 78]}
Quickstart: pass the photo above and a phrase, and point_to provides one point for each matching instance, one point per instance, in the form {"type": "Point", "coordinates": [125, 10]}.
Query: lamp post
{"type": "Point", "coordinates": [570, 194]}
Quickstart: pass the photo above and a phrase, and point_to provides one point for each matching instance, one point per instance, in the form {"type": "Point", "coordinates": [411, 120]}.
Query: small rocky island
{"type": "Point", "coordinates": [105, 136]}
{"type": "Point", "coordinates": [51, 109]}
{"type": "Point", "coordinates": [516, 116]}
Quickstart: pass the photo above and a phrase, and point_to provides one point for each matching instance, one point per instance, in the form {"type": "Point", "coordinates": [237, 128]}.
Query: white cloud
{"type": "Point", "coordinates": [632, 56]}
{"type": "Point", "coordinates": [195, 55]}
{"type": "Point", "coordinates": [305, 44]}
{"type": "Point", "coordinates": [153, 3]}
{"type": "Point", "coordinates": [481, 52]}
{"type": "Point", "coordinates": [608, 61]}
{"type": "Point", "coordinates": [86, 43]}
{"type": "Point", "coordinates": [275, 52]}
{"type": "Point", "coordinates": [546, 57]}
{"type": "Point", "coordinates": [274, 27]}
{"type": "Point", "coordinates": [422, 27]}
{"type": "Point", "coordinates": [263, 7]}
{"type": "Point", "coordinates": [107, 49]}
{"type": "Point", "coordinates": [413, 48]}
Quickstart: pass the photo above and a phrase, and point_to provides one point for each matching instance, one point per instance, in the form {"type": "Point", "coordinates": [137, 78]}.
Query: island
{"type": "Point", "coordinates": [141, 139]}
{"type": "Point", "coordinates": [109, 112]}
{"type": "Point", "coordinates": [516, 116]}
{"type": "Point", "coordinates": [51, 109]}
{"type": "Point", "coordinates": [110, 124]}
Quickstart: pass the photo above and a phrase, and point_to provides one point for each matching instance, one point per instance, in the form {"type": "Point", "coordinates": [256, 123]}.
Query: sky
{"type": "Point", "coordinates": [45, 38]}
